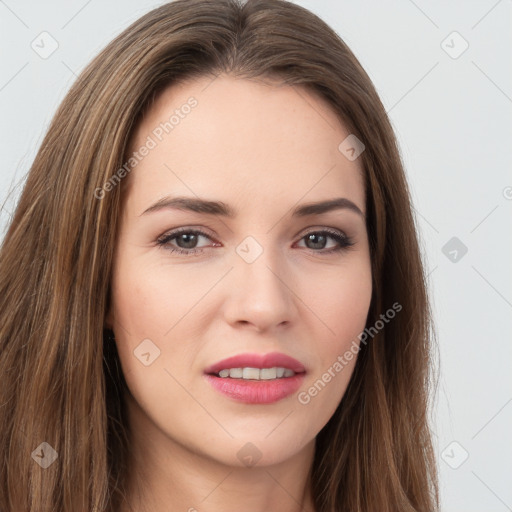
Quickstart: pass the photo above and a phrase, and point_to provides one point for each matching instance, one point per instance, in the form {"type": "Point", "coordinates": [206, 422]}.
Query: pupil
{"type": "Point", "coordinates": [312, 237]}
{"type": "Point", "coordinates": [189, 240]}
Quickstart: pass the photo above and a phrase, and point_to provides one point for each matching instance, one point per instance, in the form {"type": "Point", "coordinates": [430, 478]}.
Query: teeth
{"type": "Point", "coordinates": [257, 373]}
{"type": "Point", "coordinates": [235, 373]}
{"type": "Point", "coordinates": [250, 373]}
{"type": "Point", "coordinates": [268, 373]}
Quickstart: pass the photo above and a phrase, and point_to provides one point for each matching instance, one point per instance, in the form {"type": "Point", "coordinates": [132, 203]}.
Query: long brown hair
{"type": "Point", "coordinates": [60, 377]}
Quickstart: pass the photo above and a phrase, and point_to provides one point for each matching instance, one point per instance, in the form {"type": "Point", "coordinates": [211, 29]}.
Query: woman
{"type": "Point", "coordinates": [212, 291]}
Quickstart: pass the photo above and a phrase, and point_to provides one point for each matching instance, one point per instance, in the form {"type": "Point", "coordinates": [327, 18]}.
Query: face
{"type": "Point", "coordinates": [193, 286]}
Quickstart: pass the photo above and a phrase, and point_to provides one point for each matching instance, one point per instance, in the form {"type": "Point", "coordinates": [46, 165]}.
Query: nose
{"type": "Point", "coordinates": [260, 294]}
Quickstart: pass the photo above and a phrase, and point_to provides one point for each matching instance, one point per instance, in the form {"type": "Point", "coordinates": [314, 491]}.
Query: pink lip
{"type": "Point", "coordinates": [257, 361]}
{"type": "Point", "coordinates": [256, 391]}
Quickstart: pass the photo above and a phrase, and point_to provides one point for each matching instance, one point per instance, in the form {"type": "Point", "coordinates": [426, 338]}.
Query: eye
{"type": "Point", "coordinates": [315, 240]}
{"type": "Point", "coordinates": [184, 241]}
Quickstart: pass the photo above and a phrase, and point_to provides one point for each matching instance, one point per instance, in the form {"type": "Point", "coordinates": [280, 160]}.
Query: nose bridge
{"type": "Point", "coordinates": [261, 294]}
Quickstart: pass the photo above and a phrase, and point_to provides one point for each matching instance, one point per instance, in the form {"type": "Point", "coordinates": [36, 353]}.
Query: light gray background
{"type": "Point", "coordinates": [453, 120]}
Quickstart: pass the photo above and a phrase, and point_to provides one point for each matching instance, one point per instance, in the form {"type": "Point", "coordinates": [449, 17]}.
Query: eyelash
{"type": "Point", "coordinates": [344, 241]}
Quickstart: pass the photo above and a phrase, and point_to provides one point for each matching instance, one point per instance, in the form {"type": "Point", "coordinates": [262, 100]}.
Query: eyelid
{"type": "Point", "coordinates": [318, 228]}
{"type": "Point", "coordinates": [173, 233]}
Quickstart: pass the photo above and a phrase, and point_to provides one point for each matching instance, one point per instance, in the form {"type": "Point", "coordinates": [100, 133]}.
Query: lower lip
{"type": "Point", "coordinates": [256, 391]}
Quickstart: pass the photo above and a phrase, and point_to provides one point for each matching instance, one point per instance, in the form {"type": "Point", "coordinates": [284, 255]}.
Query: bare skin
{"type": "Point", "coordinates": [262, 149]}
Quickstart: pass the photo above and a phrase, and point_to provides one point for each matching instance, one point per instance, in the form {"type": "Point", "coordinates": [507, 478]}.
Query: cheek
{"type": "Point", "coordinates": [149, 301]}
{"type": "Point", "coordinates": [158, 303]}
{"type": "Point", "coordinates": [343, 303]}
{"type": "Point", "coordinates": [348, 310]}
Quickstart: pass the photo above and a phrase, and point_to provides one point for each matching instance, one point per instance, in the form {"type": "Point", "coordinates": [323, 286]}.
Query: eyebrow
{"type": "Point", "coordinates": [218, 208]}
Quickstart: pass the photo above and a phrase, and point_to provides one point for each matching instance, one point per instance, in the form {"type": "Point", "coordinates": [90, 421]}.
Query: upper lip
{"type": "Point", "coordinates": [271, 360]}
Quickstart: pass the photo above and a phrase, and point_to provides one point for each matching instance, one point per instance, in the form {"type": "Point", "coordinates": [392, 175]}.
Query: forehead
{"type": "Point", "coordinates": [251, 140]}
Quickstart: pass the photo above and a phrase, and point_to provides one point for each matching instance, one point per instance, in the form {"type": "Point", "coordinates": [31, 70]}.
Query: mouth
{"type": "Point", "coordinates": [248, 373]}
{"type": "Point", "coordinates": [256, 378]}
